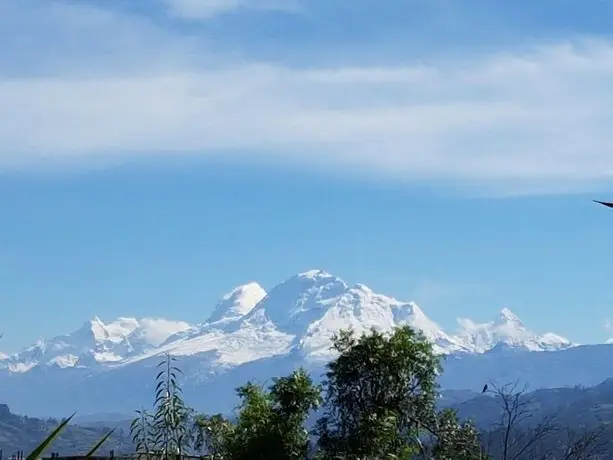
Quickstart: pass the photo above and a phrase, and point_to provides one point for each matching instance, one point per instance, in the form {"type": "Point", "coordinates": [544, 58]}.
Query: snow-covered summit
{"type": "Point", "coordinates": [506, 331]}
{"type": "Point", "coordinates": [299, 316]}
{"type": "Point", "coordinates": [360, 309]}
{"type": "Point", "coordinates": [296, 318]}
{"type": "Point", "coordinates": [294, 304]}
{"type": "Point", "coordinates": [238, 302]}
{"type": "Point", "coordinates": [506, 316]}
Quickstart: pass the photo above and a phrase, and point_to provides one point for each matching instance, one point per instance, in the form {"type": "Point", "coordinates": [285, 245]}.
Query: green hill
{"type": "Point", "coordinates": [25, 433]}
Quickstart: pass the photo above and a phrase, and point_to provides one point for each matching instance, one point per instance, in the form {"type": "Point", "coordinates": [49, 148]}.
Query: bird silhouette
{"type": "Point", "coordinates": [484, 388]}
{"type": "Point", "coordinates": [604, 203]}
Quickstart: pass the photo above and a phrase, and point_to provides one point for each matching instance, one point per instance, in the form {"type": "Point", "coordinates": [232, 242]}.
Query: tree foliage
{"type": "Point", "coordinates": [379, 403]}
{"type": "Point", "coordinates": [211, 435]}
{"type": "Point", "coordinates": [271, 424]}
{"type": "Point", "coordinates": [456, 440]}
{"type": "Point", "coordinates": [380, 395]}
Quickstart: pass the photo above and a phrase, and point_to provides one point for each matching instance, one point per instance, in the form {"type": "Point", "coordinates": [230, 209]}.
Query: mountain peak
{"type": "Point", "coordinates": [507, 316]}
{"type": "Point", "coordinates": [299, 300]}
{"type": "Point", "coordinates": [314, 274]}
{"type": "Point", "coordinates": [362, 287]}
{"type": "Point", "coordinates": [311, 279]}
{"type": "Point", "coordinates": [506, 332]}
{"type": "Point", "coordinates": [238, 302]}
{"type": "Point", "coordinates": [93, 329]}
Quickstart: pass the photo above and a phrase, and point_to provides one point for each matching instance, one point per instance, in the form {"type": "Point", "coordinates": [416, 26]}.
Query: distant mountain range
{"type": "Point", "coordinates": [26, 433]}
{"type": "Point", "coordinates": [575, 408]}
{"type": "Point", "coordinates": [255, 335]}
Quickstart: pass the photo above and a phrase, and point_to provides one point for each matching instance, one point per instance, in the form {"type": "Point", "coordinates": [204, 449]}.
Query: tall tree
{"type": "Point", "coordinates": [380, 395]}
{"type": "Point", "coordinates": [271, 424]}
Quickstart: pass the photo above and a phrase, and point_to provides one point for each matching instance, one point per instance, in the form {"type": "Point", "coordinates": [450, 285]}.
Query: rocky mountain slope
{"type": "Point", "coordinates": [252, 334]}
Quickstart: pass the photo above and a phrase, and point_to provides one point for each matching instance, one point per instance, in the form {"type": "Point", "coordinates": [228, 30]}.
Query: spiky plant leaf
{"type": "Point", "coordinates": [99, 444]}
{"type": "Point", "coordinates": [40, 449]}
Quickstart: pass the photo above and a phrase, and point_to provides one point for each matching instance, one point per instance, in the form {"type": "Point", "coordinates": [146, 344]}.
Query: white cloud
{"type": "Point", "coordinates": [55, 37]}
{"type": "Point", "coordinates": [206, 9]}
{"type": "Point", "coordinates": [608, 325]}
{"type": "Point", "coordinates": [540, 119]}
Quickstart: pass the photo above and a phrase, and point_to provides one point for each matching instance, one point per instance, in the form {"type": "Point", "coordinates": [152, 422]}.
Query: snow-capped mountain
{"type": "Point", "coordinates": [250, 334]}
{"type": "Point", "coordinates": [506, 330]}
{"type": "Point", "coordinates": [237, 303]}
{"type": "Point", "coordinates": [301, 314]}
{"type": "Point", "coordinates": [96, 343]}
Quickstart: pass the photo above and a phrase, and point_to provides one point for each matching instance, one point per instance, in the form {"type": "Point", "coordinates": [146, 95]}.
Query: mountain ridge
{"type": "Point", "coordinates": [256, 335]}
{"type": "Point", "coordinates": [309, 306]}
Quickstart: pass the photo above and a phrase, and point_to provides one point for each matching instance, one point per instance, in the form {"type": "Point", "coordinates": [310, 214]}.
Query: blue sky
{"type": "Point", "coordinates": [155, 154]}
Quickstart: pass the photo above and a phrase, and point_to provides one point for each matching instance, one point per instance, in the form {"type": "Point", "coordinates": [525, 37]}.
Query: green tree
{"type": "Point", "coordinates": [456, 440]}
{"type": "Point", "coordinates": [271, 424]}
{"type": "Point", "coordinates": [293, 399]}
{"type": "Point", "coordinates": [212, 433]}
{"type": "Point", "coordinates": [380, 395]}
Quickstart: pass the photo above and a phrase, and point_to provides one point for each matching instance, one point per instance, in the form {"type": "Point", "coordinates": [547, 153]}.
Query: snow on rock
{"type": "Point", "coordinates": [410, 313]}
{"type": "Point", "coordinates": [298, 317]}
{"type": "Point", "coordinates": [232, 307]}
{"type": "Point", "coordinates": [238, 302]}
{"type": "Point", "coordinates": [252, 335]}
{"type": "Point", "coordinates": [152, 332]}
{"type": "Point", "coordinates": [506, 331]}
{"type": "Point", "coordinates": [235, 347]}
{"type": "Point", "coordinates": [67, 360]}
{"type": "Point", "coordinates": [95, 343]}
{"type": "Point", "coordinates": [299, 301]}
{"type": "Point", "coordinates": [360, 309]}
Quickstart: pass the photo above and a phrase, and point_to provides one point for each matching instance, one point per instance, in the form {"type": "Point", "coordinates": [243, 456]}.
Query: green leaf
{"type": "Point", "coordinates": [99, 444]}
{"type": "Point", "coordinates": [36, 453]}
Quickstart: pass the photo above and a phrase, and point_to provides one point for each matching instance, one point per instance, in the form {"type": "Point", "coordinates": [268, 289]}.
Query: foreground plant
{"type": "Point", "coordinates": [171, 417]}
{"type": "Point", "coordinates": [380, 394]}
{"type": "Point", "coordinates": [270, 423]}
{"type": "Point", "coordinates": [167, 431]}
{"type": "Point", "coordinates": [43, 446]}
{"type": "Point", "coordinates": [212, 434]}
{"type": "Point", "coordinates": [141, 431]}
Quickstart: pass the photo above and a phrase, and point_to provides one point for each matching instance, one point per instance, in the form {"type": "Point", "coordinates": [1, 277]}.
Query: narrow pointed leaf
{"type": "Point", "coordinates": [99, 444]}
{"type": "Point", "coordinates": [37, 453]}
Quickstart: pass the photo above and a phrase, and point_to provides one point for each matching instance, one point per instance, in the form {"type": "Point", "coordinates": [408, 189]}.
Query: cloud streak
{"type": "Point", "coordinates": [206, 9]}
{"type": "Point", "coordinates": [537, 117]}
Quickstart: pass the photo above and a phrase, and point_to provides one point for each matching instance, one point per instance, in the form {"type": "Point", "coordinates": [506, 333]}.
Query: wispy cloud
{"type": "Point", "coordinates": [608, 326]}
{"type": "Point", "coordinates": [541, 116]}
{"type": "Point", "coordinates": [206, 9]}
